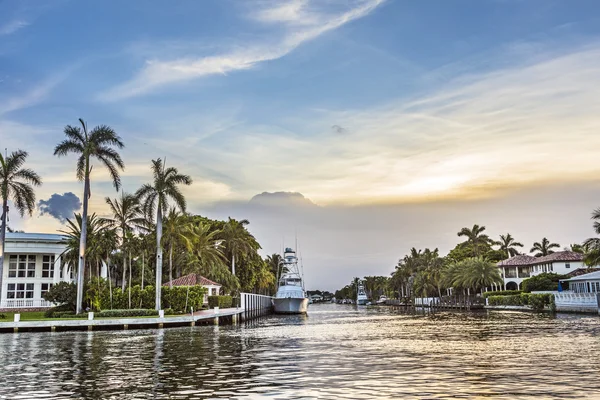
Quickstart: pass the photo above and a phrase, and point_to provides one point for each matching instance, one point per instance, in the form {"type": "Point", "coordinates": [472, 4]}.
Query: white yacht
{"type": "Point", "coordinates": [291, 296]}
{"type": "Point", "coordinates": [361, 295]}
{"type": "Point", "coordinates": [382, 299]}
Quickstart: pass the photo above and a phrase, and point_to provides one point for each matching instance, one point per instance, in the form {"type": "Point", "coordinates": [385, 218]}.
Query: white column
{"type": "Point", "coordinates": [57, 267]}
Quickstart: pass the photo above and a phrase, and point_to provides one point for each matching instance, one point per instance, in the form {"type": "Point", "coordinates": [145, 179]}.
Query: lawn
{"type": "Point", "coordinates": [39, 316]}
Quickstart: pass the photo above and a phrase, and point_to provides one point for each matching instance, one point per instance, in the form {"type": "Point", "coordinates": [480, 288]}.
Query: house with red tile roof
{"type": "Point", "coordinates": [518, 268]}
{"type": "Point", "coordinates": [214, 288]}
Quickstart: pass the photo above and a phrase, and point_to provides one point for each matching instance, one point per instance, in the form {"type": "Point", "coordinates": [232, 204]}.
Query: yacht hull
{"type": "Point", "coordinates": [290, 305]}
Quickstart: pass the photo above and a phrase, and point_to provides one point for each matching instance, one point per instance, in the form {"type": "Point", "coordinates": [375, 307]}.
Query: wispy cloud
{"type": "Point", "coordinates": [12, 26]}
{"type": "Point", "coordinates": [533, 122]}
{"type": "Point", "coordinates": [301, 21]}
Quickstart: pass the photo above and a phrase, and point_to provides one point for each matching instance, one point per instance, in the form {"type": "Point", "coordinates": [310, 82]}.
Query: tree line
{"type": "Point", "coordinates": [470, 267]}
{"type": "Point", "coordinates": [143, 225]}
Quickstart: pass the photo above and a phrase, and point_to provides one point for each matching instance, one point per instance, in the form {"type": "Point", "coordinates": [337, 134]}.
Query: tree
{"type": "Point", "coordinates": [508, 245]}
{"type": "Point", "coordinates": [16, 184]}
{"type": "Point", "coordinates": [177, 230]}
{"type": "Point", "coordinates": [238, 241]}
{"type": "Point", "coordinates": [155, 196]}
{"type": "Point", "coordinates": [543, 248]}
{"type": "Point", "coordinates": [543, 282]}
{"type": "Point", "coordinates": [479, 241]}
{"type": "Point", "coordinates": [592, 245]}
{"type": "Point", "coordinates": [99, 143]}
{"type": "Point", "coordinates": [127, 215]}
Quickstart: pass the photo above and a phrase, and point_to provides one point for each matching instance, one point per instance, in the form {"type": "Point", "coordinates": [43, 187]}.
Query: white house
{"type": "Point", "coordinates": [214, 288]}
{"type": "Point", "coordinates": [518, 268]}
{"type": "Point", "coordinates": [32, 264]}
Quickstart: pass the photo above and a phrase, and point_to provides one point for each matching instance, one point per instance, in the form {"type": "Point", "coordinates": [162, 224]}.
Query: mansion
{"type": "Point", "coordinates": [518, 268]}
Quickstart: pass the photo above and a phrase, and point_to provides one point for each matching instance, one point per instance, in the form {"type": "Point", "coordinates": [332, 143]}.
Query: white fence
{"type": "Point", "coordinates": [255, 305]}
{"type": "Point", "coordinates": [571, 301]}
{"type": "Point", "coordinates": [25, 303]}
{"type": "Point", "coordinates": [427, 301]}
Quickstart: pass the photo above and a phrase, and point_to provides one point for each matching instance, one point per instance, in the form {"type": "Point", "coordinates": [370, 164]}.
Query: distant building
{"type": "Point", "coordinates": [214, 288]}
{"type": "Point", "coordinates": [316, 298]}
{"type": "Point", "coordinates": [32, 265]}
{"type": "Point", "coordinates": [518, 268]}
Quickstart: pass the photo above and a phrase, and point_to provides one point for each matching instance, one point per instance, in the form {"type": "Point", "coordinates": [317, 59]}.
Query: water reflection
{"type": "Point", "coordinates": [334, 352]}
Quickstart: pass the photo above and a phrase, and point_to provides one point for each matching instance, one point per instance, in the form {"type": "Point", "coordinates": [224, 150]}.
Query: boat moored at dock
{"type": "Point", "coordinates": [290, 297]}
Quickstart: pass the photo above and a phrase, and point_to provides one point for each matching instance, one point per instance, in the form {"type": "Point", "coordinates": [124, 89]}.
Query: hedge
{"type": "Point", "coordinates": [126, 313]}
{"type": "Point", "coordinates": [220, 301]}
{"type": "Point", "coordinates": [536, 302]}
{"type": "Point", "coordinates": [501, 293]}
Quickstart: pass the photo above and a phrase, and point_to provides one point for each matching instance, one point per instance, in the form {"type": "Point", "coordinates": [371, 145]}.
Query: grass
{"type": "Point", "coordinates": [39, 316]}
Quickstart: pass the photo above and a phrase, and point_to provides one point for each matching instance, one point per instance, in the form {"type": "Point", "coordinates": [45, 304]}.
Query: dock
{"type": "Point", "coordinates": [255, 306]}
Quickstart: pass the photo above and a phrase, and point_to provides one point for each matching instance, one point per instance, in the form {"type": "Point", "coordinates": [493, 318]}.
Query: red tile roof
{"type": "Point", "coordinates": [524, 259]}
{"type": "Point", "coordinates": [191, 280]}
{"type": "Point", "coordinates": [517, 261]}
{"type": "Point", "coordinates": [582, 271]}
{"type": "Point", "coordinates": [560, 256]}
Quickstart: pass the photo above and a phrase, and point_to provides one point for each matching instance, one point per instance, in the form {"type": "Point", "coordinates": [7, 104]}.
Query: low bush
{"type": "Point", "coordinates": [63, 294]}
{"type": "Point", "coordinates": [126, 313]}
{"type": "Point", "coordinates": [58, 309]}
{"type": "Point", "coordinates": [220, 301]}
{"type": "Point", "coordinates": [536, 302]}
{"type": "Point", "coordinates": [501, 293]}
{"type": "Point", "coordinates": [65, 314]}
{"type": "Point", "coordinates": [2, 316]}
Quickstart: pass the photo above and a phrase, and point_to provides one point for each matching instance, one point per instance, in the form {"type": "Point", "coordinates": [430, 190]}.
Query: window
{"type": "Point", "coordinates": [567, 265]}
{"type": "Point", "coordinates": [20, 291]}
{"type": "Point", "coordinates": [45, 288]}
{"type": "Point", "coordinates": [48, 266]}
{"type": "Point", "coordinates": [21, 266]}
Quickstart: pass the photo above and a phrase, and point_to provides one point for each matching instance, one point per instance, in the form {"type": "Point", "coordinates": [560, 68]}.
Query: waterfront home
{"type": "Point", "coordinates": [214, 288]}
{"type": "Point", "coordinates": [518, 268]}
{"type": "Point", "coordinates": [315, 298]}
{"type": "Point", "coordinates": [32, 264]}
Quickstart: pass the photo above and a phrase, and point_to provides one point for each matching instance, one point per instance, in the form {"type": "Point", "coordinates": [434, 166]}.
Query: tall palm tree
{"type": "Point", "coordinates": [238, 241]}
{"type": "Point", "coordinates": [177, 231]}
{"type": "Point", "coordinates": [15, 184]}
{"type": "Point", "coordinates": [592, 245]}
{"type": "Point", "coordinates": [99, 143]}
{"type": "Point", "coordinates": [476, 238]}
{"type": "Point", "coordinates": [155, 196]}
{"type": "Point", "coordinates": [544, 248]}
{"type": "Point", "coordinates": [127, 216]}
{"type": "Point", "coordinates": [508, 245]}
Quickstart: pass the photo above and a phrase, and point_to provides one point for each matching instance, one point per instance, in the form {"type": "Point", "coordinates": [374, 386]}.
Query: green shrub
{"type": "Point", "coordinates": [220, 301]}
{"type": "Point", "coordinates": [66, 314]}
{"type": "Point", "coordinates": [536, 302]}
{"type": "Point", "coordinates": [542, 282]}
{"type": "Point", "coordinates": [501, 293]}
{"type": "Point", "coordinates": [63, 293]}
{"type": "Point", "coordinates": [178, 298]}
{"type": "Point", "coordinates": [2, 316]}
{"type": "Point", "coordinates": [126, 313]}
{"type": "Point", "coordinates": [182, 298]}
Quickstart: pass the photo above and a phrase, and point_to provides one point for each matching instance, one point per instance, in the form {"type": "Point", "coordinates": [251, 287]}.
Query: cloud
{"type": "Point", "coordinates": [338, 129]}
{"type": "Point", "coordinates": [13, 26]}
{"type": "Point", "coordinates": [59, 206]}
{"type": "Point", "coordinates": [300, 21]}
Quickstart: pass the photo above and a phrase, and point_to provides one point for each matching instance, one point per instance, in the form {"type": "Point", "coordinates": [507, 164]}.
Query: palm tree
{"type": "Point", "coordinates": [592, 245]}
{"type": "Point", "coordinates": [544, 248]}
{"type": "Point", "coordinates": [15, 184]}
{"type": "Point", "coordinates": [177, 230]}
{"type": "Point", "coordinates": [127, 215]}
{"type": "Point", "coordinates": [475, 237]}
{"type": "Point", "coordinates": [155, 196]}
{"type": "Point", "coordinates": [99, 143]}
{"type": "Point", "coordinates": [508, 245]}
{"type": "Point", "coordinates": [238, 241]}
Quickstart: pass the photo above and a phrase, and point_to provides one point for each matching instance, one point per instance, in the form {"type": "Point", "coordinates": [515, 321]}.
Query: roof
{"type": "Point", "coordinates": [559, 256]}
{"type": "Point", "coordinates": [192, 280]}
{"type": "Point", "coordinates": [581, 271]}
{"type": "Point", "coordinates": [34, 237]}
{"type": "Point", "coordinates": [524, 259]}
{"type": "Point", "coordinates": [521, 259]}
{"type": "Point", "coordinates": [586, 277]}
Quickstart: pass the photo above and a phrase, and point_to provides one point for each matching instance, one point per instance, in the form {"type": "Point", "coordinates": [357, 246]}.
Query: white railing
{"type": "Point", "coordinates": [25, 303]}
{"type": "Point", "coordinates": [427, 301]}
{"type": "Point", "coordinates": [255, 305]}
{"type": "Point", "coordinates": [578, 299]}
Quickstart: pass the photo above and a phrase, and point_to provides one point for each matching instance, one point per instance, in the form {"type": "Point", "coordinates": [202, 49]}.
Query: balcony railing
{"type": "Point", "coordinates": [25, 303]}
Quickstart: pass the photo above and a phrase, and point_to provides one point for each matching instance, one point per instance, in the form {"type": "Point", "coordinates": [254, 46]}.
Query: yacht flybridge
{"type": "Point", "coordinates": [291, 296]}
{"type": "Point", "coordinates": [361, 295]}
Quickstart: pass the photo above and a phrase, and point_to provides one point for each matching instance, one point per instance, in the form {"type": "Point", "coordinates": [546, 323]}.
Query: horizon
{"type": "Point", "coordinates": [398, 123]}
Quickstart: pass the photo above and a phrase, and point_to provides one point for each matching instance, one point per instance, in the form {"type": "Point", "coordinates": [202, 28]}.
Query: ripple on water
{"type": "Point", "coordinates": [336, 352]}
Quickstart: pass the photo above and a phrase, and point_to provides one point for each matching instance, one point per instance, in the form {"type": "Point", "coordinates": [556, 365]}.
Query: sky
{"type": "Point", "coordinates": [396, 122]}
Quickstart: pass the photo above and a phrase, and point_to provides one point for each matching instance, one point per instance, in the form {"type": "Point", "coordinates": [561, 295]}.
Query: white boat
{"type": "Point", "coordinates": [291, 296]}
{"type": "Point", "coordinates": [361, 295]}
{"type": "Point", "coordinates": [382, 299]}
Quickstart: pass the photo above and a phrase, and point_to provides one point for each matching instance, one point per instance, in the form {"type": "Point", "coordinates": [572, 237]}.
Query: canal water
{"type": "Point", "coordinates": [336, 352]}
